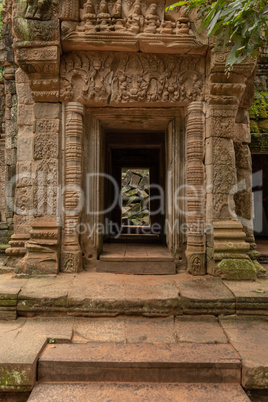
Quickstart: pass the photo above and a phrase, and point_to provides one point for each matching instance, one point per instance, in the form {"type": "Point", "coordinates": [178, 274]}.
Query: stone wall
{"type": "Point", "coordinates": [8, 134]}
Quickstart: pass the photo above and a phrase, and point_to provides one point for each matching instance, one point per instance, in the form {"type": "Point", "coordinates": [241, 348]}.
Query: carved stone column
{"type": "Point", "coordinates": [195, 189]}
{"type": "Point", "coordinates": [74, 127]}
{"type": "Point", "coordinates": [227, 248]}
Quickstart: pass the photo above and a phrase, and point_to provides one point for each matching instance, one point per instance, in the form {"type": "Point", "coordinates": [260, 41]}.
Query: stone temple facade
{"type": "Point", "coordinates": [82, 78]}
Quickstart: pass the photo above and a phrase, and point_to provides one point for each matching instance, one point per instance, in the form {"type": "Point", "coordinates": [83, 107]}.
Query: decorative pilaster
{"type": "Point", "coordinates": [227, 248]}
{"type": "Point", "coordinates": [195, 189]}
{"type": "Point", "coordinates": [74, 127]}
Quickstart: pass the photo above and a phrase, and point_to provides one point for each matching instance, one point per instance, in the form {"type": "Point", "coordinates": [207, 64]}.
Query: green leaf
{"type": "Point", "coordinates": [179, 4]}
{"type": "Point", "coordinates": [259, 291]}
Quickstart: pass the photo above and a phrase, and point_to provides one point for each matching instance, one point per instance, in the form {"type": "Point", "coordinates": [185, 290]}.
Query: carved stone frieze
{"type": "Point", "coordinates": [106, 78]}
{"type": "Point", "coordinates": [130, 25]}
{"type": "Point", "coordinates": [133, 16]}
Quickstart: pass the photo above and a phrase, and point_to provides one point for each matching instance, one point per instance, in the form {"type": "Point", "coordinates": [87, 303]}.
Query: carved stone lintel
{"type": "Point", "coordinates": [71, 252]}
{"type": "Point", "coordinates": [100, 78]}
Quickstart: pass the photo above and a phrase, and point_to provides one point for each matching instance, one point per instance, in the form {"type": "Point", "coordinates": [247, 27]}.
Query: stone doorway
{"type": "Point", "coordinates": [135, 242]}
{"type": "Point", "coordinates": [157, 139]}
{"type": "Point", "coordinates": [260, 192]}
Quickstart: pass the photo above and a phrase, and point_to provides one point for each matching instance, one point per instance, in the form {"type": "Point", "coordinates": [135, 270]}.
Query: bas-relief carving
{"type": "Point", "coordinates": [132, 16]}
{"type": "Point", "coordinates": [130, 26]}
{"type": "Point", "coordinates": [196, 264]}
{"type": "Point", "coordinates": [107, 78]}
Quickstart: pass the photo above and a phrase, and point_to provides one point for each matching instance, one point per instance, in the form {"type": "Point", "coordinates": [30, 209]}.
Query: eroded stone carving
{"type": "Point", "coordinates": [135, 19]}
{"type": "Point", "coordinates": [69, 10]}
{"type": "Point", "coordinates": [89, 18]}
{"type": "Point", "coordinates": [152, 21]}
{"type": "Point", "coordinates": [39, 9]}
{"type": "Point", "coordinates": [130, 78]}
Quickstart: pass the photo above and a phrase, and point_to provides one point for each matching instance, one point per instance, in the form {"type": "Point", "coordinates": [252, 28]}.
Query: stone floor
{"type": "Point", "coordinates": [219, 318]}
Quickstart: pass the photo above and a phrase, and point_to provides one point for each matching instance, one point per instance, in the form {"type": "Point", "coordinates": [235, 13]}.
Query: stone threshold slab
{"type": "Point", "coordinates": [114, 392]}
{"type": "Point", "coordinates": [90, 294]}
{"type": "Point", "coordinates": [139, 362]}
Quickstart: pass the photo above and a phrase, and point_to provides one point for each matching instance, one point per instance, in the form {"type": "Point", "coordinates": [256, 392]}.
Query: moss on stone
{"type": "Point", "coordinates": [22, 29]}
{"type": "Point", "coordinates": [260, 271]}
{"type": "Point", "coordinates": [237, 270]}
{"type": "Point", "coordinates": [259, 142]}
{"type": "Point", "coordinates": [259, 109]}
{"type": "Point", "coordinates": [258, 114]}
{"type": "Point", "coordinates": [13, 378]}
{"type": "Point", "coordinates": [254, 128]}
{"type": "Point", "coordinates": [263, 126]}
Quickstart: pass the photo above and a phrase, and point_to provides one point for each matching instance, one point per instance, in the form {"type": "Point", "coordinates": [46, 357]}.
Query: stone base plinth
{"type": "Point", "coordinates": [236, 269]}
{"type": "Point", "coordinates": [71, 261]}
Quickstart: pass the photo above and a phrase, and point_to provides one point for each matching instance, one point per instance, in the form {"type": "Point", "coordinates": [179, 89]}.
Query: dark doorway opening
{"type": "Point", "coordinates": [136, 164]}
{"type": "Point", "coordinates": [260, 191]}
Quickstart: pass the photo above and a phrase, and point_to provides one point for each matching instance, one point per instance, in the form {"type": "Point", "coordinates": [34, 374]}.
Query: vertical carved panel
{"type": "Point", "coordinates": [69, 10]}
{"type": "Point", "coordinates": [92, 218]}
{"type": "Point", "coordinates": [175, 190]}
{"type": "Point", "coordinates": [72, 254]}
{"type": "Point", "coordinates": [195, 190]}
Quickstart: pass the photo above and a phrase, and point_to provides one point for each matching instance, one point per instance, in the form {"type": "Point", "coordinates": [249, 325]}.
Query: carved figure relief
{"type": "Point", "coordinates": [89, 18]}
{"type": "Point", "coordinates": [104, 19]}
{"type": "Point", "coordinates": [136, 17]}
{"type": "Point", "coordinates": [126, 78]}
{"type": "Point", "coordinates": [118, 21]}
{"type": "Point", "coordinates": [135, 20]}
{"type": "Point", "coordinates": [152, 21]}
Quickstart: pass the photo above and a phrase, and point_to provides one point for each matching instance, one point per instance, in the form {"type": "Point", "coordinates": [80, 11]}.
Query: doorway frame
{"type": "Point", "coordinates": [177, 124]}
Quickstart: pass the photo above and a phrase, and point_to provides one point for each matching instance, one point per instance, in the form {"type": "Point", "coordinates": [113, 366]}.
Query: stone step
{"type": "Point", "coordinates": [153, 392]}
{"type": "Point", "coordinates": [156, 362]}
{"type": "Point", "coordinates": [137, 267]}
{"type": "Point", "coordinates": [136, 259]}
